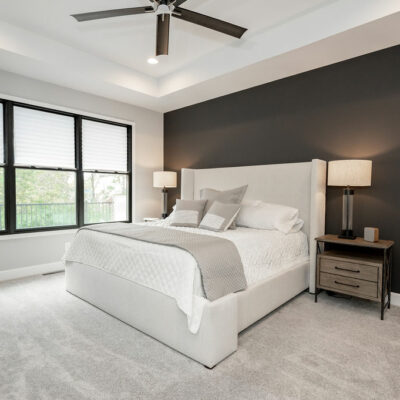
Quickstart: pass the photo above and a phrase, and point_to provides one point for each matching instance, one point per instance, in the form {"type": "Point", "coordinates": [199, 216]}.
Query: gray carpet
{"type": "Point", "coordinates": [55, 346]}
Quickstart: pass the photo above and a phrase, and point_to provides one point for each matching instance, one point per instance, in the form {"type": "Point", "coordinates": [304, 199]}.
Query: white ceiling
{"type": "Point", "coordinates": [108, 57]}
{"type": "Point", "coordinates": [130, 40]}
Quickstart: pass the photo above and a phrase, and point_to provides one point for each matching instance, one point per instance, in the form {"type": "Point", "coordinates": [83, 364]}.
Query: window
{"type": "Point", "coordinates": [1, 135]}
{"type": "Point", "coordinates": [105, 162]}
{"type": "Point", "coordinates": [43, 139]}
{"type": "Point", "coordinates": [61, 170]}
{"type": "Point", "coordinates": [44, 198]}
{"type": "Point", "coordinates": [106, 197]}
{"type": "Point", "coordinates": [104, 147]}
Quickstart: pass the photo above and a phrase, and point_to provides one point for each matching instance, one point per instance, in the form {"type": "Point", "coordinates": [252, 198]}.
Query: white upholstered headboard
{"type": "Point", "coordinates": [299, 185]}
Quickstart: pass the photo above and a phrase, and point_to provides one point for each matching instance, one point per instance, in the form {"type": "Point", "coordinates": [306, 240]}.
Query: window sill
{"type": "Point", "coordinates": [26, 235]}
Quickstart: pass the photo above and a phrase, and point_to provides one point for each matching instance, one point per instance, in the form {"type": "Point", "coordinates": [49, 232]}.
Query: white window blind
{"type": "Point", "coordinates": [1, 135]}
{"type": "Point", "coordinates": [104, 146]}
{"type": "Point", "coordinates": [43, 139]}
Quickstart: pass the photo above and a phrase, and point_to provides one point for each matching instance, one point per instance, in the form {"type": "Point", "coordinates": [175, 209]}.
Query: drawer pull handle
{"type": "Point", "coordinates": [357, 271]}
{"type": "Point", "coordinates": [346, 284]}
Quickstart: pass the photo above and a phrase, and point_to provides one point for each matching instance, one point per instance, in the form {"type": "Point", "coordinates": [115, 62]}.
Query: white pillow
{"type": "Point", "coordinates": [260, 215]}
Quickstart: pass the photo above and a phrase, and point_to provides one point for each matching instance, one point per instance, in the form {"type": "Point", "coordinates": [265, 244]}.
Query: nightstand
{"type": "Point", "coordinates": [355, 267]}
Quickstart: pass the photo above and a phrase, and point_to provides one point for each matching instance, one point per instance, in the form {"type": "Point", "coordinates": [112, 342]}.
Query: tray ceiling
{"type": "Point", "coordinates": [108, 57]}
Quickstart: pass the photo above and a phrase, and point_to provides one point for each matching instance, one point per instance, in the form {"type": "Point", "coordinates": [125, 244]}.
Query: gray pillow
{"type": "Point", "coordinates": [220, 216]}
{"type": "Point", "coordinates": [233, 196]}
{"type": "Point", "coordinates": [188, 213]}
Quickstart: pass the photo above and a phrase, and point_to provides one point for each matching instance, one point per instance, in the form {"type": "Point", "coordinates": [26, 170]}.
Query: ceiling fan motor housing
{"type": "Point", "coordinates": [163, 7]}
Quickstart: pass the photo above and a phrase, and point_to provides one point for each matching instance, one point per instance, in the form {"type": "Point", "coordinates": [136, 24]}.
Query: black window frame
{"type": "Point", "coordinates": [10, 168]}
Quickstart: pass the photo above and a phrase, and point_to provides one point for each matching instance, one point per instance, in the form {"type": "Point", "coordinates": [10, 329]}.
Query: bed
{"type": "Point", "coordinates": [210, 333]}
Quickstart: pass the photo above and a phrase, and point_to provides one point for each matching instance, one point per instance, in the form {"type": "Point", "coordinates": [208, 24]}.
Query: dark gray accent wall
{"type": "Point", "coordinates": [346, 110]}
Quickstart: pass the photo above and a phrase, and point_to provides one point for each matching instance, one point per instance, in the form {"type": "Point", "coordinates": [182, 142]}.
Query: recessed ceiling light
{"type": "Point", "coordinates": [152, 61]}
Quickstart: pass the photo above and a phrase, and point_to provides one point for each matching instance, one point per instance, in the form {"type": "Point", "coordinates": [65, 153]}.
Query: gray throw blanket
{"type": "Point", "coordinates": [218, 259]}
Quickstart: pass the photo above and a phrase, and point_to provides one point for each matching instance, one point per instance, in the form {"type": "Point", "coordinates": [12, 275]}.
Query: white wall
{"type": "Point", "coordinates": [45, 249]}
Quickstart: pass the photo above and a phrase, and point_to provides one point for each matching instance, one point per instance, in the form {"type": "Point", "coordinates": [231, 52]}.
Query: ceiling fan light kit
{"type": "Point", "coordinates": [164, 9]}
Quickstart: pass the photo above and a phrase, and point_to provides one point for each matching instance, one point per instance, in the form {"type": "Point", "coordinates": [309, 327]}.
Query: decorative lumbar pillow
{"type": "Point", "coordinates": [260, 215]}
{"type": "Point", "coordinates": [220, 216]}
{"type": "Point", "coordinates": [233, 196]}
{"type": "Point", "coordinates": [188, 213]}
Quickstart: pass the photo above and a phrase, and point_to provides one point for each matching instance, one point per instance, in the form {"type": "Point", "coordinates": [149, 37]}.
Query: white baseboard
{"type": "Point", "coordinates": [395, 299]}
{"type": "Point", "coordinates": [18, 273]}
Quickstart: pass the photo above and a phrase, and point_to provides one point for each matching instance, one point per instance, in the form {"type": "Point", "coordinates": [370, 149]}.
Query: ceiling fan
{"type": "Point", "coordinates": [164, 9]}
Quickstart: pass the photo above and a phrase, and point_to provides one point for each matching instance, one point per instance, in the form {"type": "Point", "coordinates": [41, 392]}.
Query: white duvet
{"type": "Point", "coordinates": [174, 272]}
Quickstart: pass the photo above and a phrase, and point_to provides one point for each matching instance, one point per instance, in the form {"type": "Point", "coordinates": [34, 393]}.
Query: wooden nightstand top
{"type": "Point", "coordinates": [360, 242]}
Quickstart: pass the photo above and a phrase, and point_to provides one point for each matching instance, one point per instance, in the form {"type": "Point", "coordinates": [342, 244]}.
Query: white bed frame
{"type": "Point", "coordinates": [301, 185]}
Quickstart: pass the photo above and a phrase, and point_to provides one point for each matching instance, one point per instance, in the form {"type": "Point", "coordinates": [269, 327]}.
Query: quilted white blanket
{"type": "Point", "coordinates": [174, 272]}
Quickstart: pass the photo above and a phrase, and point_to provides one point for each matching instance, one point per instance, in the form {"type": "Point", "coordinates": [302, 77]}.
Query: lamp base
{"type": "Point", "coordinates": [347, 234]}
{"type": "Point", "coordinates": [165, 203]}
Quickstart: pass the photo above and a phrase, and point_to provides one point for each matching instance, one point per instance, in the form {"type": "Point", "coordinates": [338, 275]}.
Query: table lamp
{"type": "Point", "coordinates": [349, 173]}
{"type": "Point", "coordinates": [164, 180]}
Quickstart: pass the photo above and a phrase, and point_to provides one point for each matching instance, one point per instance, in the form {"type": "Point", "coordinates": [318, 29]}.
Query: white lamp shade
{"type": "Point", "coordinates": [165, 179]}
{"type": "Point", "coordinates": [349, 173]}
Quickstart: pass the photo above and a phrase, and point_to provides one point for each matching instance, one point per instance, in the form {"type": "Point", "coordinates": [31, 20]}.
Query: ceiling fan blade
{"type": "Point", "coordinates": [162, 34]}
{"type": "Point", "coordinates": [209, 22]}
{"type": "Point", "coordinates": [178, 2]}
{"type": "Point", "coordinates": [112, 13]}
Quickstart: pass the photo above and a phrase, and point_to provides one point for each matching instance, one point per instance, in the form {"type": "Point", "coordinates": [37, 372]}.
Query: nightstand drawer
{"type": "Point", "coordinates": [349, 269]}
{"type": "Point", "coordinates": [356, 287]}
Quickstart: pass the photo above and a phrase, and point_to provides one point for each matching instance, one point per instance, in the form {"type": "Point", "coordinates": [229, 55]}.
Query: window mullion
{"type": "Point", "coordinates": [130, 172]}
{"type": "Point", "coordinates": [9, 168]}
{"type": "Point", "coordinates": [79, 174]}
